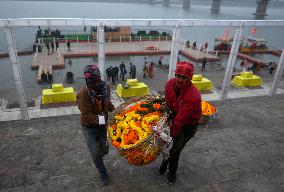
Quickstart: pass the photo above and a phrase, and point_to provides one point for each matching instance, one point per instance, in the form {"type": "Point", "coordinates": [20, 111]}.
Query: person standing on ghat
{"type": "Point", "coordinates": [94, 103]}
{"type": "Point", "coordinates": [185, 101]}
{"type": "Point", "coordinates": [68, 43]}
{"type": "Point", "coordinates": [56, 44]}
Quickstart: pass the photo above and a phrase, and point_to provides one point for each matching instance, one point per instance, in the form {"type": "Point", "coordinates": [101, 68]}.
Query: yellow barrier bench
{"type": "Point", "coordinates": [58, 95]}
{"type": "Point", "coordinates": [201, 83]}
{"type": "Point", "coordinates": [140, 89]}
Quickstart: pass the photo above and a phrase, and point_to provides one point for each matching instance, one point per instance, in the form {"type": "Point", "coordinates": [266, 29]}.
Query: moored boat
{"type": "Point", "coordinates": [251, 44]}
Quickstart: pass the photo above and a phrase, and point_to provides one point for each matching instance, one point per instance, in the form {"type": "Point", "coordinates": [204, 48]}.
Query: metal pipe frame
{"type": "Point", "coordinates": [278, 74]}
{"type": "Point", "coordinates": [101, 50]}
{"type": "Point", "coordinates": [174, 51]}
{"type": "Point", "coordinates": [16, 72]}
{"type": "Point", "coordinates": [231, 64]}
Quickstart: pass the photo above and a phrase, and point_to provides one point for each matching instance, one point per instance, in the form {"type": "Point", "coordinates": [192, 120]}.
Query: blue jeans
{"type": "Point", "coordinates": [96, 140]}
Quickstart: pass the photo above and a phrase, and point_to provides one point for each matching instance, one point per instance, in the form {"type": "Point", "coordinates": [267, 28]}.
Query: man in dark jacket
{"type": "Point", "coordinates": [94, 104]}
{"type": "Point", "coordinates": [185, 102]}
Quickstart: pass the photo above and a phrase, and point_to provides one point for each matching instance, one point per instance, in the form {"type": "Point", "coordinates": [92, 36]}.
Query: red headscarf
{"type": "Point", "coordinates": [185, 68]}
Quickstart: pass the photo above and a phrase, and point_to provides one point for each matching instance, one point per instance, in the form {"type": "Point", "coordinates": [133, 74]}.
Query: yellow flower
{"type": "Point", "coordinates": [120, 118]}
{"type": "Point", "coordinates": [112, 135]}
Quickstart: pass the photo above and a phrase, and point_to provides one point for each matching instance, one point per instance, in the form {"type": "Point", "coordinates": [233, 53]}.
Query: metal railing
{"type": "Point", "coordinates": [8, 24]}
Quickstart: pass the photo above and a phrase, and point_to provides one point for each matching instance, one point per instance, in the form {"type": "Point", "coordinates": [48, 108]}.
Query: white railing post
{"type": "Point", "coordinates": [16, 72]}
{"type": "Point", "coordinates": [140, 38]}
{"type": "Point", "coordinates": [174, 51]}
{"type": "Point", "coordinates": [77, 39]}
{"type": "Point", "coordinates": [231, 63]}
{"type": "Point", "coordinates": [101, 49]}
{"type": "Point", "coordinates": [277, 76]}
{"type": "Point", "coordinates": [130, 38]}
{"type": "Point", "coordinates": [150, 38]}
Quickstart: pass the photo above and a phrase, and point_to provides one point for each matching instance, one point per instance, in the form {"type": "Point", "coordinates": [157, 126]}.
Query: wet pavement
{"type": "Point", "coordinates": [240, 150]}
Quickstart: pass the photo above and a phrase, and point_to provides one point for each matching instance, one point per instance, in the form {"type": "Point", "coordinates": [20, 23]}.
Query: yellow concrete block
{"type": "Point", "coordinates": [255, 81]}
{"type": "Point", "coordinates": [132, 82]}
{"type": "Point", "coordinates": [246, 74]}
{"type": "Point", "coordinates": [50, 96]}
{"type": "Point", "coordinates": [140, 89]}
{"type": "Point", "coordinates": [57, 87]}
{"type": "Point", "coordinates": [197, 77]}
{"type": "Point", "coordinates": [203, 85]}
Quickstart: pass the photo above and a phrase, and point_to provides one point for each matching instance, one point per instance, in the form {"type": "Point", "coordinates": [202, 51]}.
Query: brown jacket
{"type": "Point", "coordinates": [90, 110]}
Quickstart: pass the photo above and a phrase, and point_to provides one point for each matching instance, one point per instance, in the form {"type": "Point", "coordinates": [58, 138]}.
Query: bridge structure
{"type": "Point", "coordinates": [261, 6]}
{"type": "Point", "coordinates": [176, 24]}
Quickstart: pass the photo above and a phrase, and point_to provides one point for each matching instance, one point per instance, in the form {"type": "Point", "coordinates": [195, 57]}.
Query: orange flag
{"type": "Point", "coordinates": [253, 31]}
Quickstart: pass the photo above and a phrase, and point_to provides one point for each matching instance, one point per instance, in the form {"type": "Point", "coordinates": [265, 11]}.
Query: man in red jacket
{"type": "Point", "coordinates": [185, 102]}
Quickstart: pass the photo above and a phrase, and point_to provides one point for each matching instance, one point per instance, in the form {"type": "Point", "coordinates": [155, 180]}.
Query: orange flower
{"type": "Point", "coordinates": [153, 113]}
{"type": "Point", "coordinates": [116, 144]}
{"type": "Point", "coordinates": [156, 106]}
{"type": "Point", "coordinates": [207, 108]}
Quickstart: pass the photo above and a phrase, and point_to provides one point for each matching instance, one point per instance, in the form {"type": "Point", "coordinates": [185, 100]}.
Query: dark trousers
{"type": "Point", "coordinates": [113, 79]}
{"type": "Point", "coordinates": [179, 142]}
{"type": "Point", "coordinates": [96, 140]}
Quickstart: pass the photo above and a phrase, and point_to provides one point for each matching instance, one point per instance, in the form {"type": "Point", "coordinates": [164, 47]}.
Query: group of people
{"type": "Point", "coordinates": [182, 98]}
{"type": "Point", "coordinates": [46, 78]}
{"type": "Point", "coordinates": [112, 72]}
{"type": "Point", "coordinates": [50, 46]}
{"type": "Point", "coordinates": [148, 71]}
{"type": "Point", "coordinates": [48, 32]}
{"type": "Point", "coordinates": [194, 45]}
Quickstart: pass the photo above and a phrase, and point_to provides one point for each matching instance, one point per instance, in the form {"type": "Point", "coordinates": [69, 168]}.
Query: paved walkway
{"type": "Point", "coordinates": [239, 151]}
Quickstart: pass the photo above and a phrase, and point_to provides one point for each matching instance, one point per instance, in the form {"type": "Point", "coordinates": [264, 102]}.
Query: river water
{"type": "Point", "coordinates": [61, 9]}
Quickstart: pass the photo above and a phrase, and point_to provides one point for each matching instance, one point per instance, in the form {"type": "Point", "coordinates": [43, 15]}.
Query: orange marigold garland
{"type": "Point", "coordinates": [209, 111]}
{"type": "Point", "coordinates": [134, 129]}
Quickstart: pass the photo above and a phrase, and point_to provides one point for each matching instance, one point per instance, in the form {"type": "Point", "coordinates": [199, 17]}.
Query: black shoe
{"type": "Point", "coordinates": [105, 180]}
{"type": "Point", "coordinates": [163, 167]}
{"type": "Point", "coordinates": [171, 178]}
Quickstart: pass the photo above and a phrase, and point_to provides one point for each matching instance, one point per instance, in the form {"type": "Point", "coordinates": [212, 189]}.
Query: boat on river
{"type": "Point", "coordinates": [251, 44]}
{"type": "Point", "coordinates": [224, 42]}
